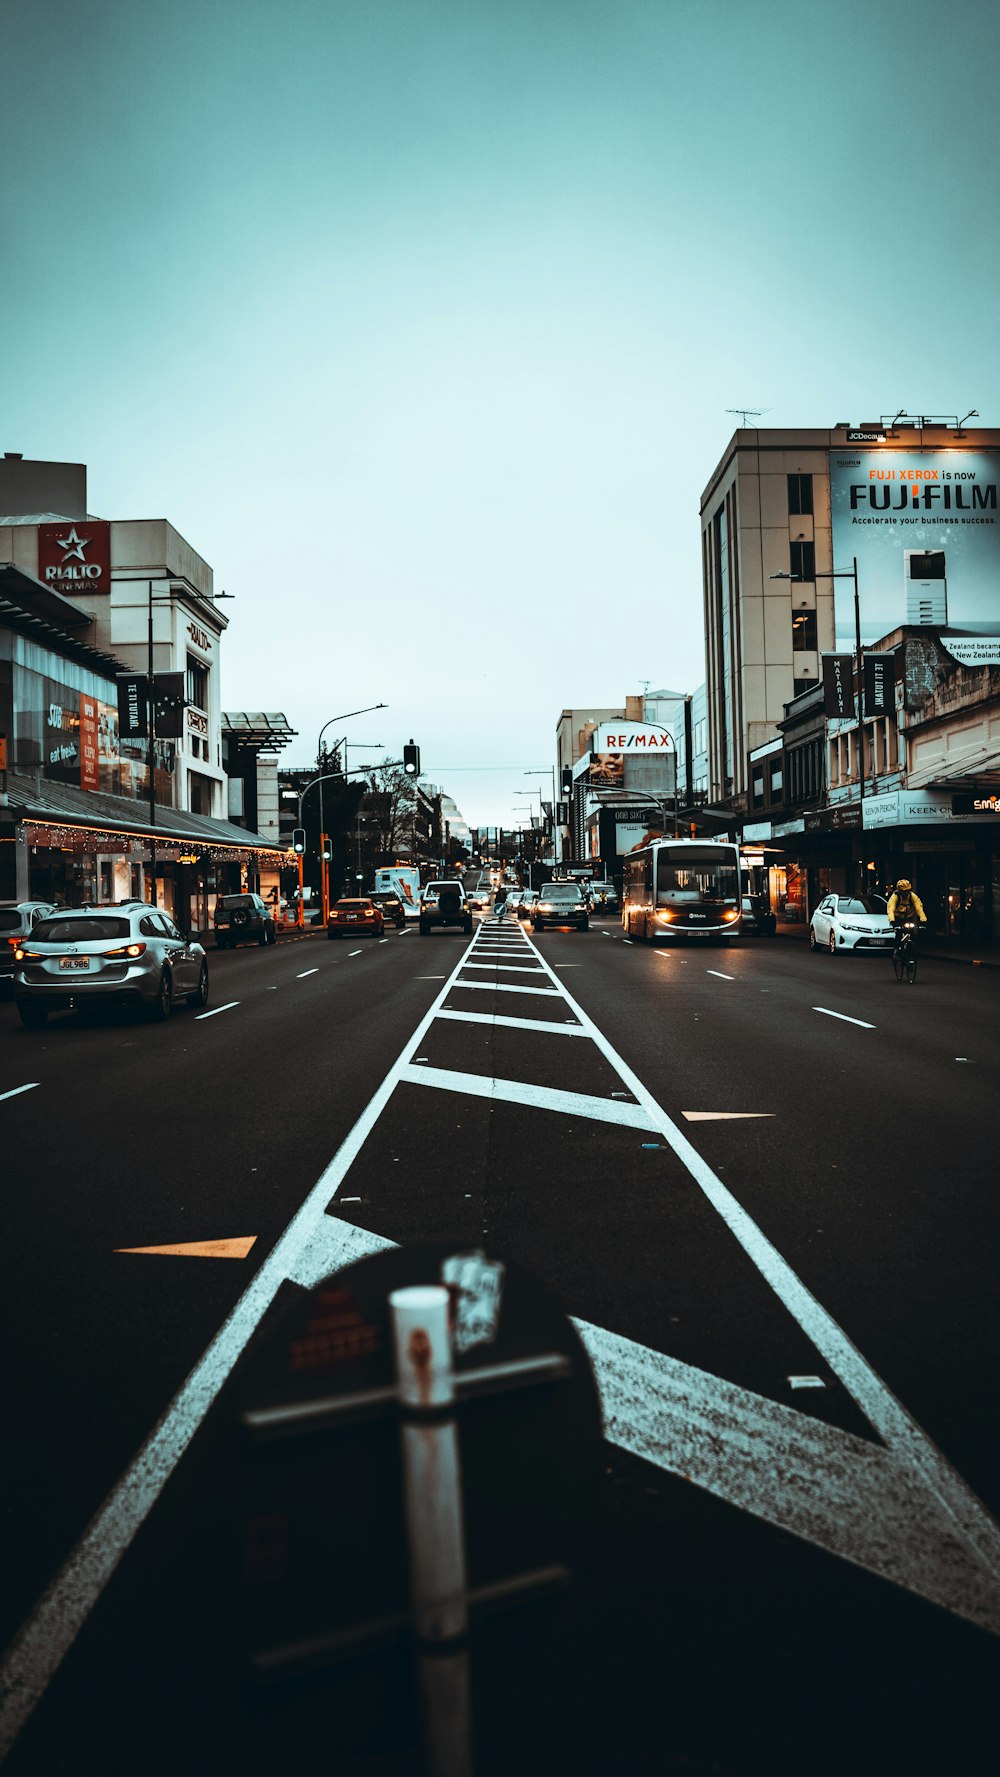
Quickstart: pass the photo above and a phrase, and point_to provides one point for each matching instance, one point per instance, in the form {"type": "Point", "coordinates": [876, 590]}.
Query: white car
{"type": "Point", "coordinates": [850, 922]}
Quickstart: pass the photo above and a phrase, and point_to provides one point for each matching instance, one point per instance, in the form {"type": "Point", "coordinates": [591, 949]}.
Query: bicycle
{"type": "Point", "coordinates": [904, 956]}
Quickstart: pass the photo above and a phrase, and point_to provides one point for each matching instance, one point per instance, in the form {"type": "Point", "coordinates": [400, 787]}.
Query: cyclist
{"type": "Point", "coordinates": [905, 907]}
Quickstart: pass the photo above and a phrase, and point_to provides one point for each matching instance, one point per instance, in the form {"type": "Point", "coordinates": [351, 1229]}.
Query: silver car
{"type": "Point", "coordinates": [124, 953]}
{"type": "Point", "coordinates": [17, 920]}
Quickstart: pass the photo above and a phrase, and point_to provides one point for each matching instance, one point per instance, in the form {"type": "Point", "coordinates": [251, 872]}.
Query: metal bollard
{"type": "Point", "coordinates": [432, 1486]}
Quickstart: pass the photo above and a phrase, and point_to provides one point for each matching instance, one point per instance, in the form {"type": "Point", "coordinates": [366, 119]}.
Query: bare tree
{"type": "Point", "coordinates": [390, 809]}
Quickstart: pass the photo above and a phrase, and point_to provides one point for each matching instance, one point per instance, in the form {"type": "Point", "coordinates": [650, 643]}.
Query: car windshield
{"type": "Point", "coordinates": [563, 891]}
{"type": "Point", "coordinates": [81, 930]}
{"type": "Point", "coordinates": [353, 905]}
{"type": "Point", "coordinates": [861, 904]}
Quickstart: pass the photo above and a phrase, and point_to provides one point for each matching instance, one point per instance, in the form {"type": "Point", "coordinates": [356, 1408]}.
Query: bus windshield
{"type": "Point", "coordinates": [700, 875]}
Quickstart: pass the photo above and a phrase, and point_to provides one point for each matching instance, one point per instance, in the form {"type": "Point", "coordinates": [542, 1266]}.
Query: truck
{"type": "Point", "coordinates": [404, 879]}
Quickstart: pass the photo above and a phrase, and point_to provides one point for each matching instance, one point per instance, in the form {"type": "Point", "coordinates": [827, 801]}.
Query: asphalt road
{"type": "Point", "coordinates": [770, 1210]}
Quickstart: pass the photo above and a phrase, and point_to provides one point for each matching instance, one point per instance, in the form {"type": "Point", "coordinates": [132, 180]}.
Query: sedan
{"type": "Point", "coordinates": [17, 920]}
{"type": "Point", "coordinates": [756, 918]}
{"type": "Point", "coordinates": [850, 922]}
{"type": "Point", "coordinates": [526, 901]}
{"type": "Point", "coordinates": [124, 953]}
{"type": "Point", "coordinates": [356, 917]}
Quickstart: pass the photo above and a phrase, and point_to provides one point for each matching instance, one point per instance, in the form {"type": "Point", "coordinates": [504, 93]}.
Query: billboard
{"type": "Point", "coordinates": [925, 529]}
{"type": "Point", "coordinates": [631, 737]}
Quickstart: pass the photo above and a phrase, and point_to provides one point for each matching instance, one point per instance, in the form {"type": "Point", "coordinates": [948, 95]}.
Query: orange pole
{"type": "Point", "coordinates": [301, 920]}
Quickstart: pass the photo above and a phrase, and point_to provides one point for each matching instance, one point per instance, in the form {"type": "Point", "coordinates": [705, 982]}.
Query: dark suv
{"type": "Point", "coordinates": [444, 904]}
{"type": "Point", "coordinates": [391, 905]}
{"type": "Point", "coordinates": [241, 919]}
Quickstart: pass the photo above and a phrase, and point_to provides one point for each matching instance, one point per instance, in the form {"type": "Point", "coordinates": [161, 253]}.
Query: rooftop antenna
{"type": "Point", "coordinates": [746, 412]}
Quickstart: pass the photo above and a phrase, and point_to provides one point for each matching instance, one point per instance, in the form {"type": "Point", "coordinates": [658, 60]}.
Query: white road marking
{"type": "Point", "coordinates": [843, 1015]}
{"type": "Point", "coordinates": [800, 1381]}
{"type": "Point", "coordinates": [842, 1493]}
{"type": "Point", "coordinates": [37, 1652]}
{"type": "Point", "coordinates": [722, 1116]}
{"type": "Point", "coordinates": [214, 1013]}
{"type": "Point", "coordinates": [510, 968]}
{"type": "Point", "coordinates": [432, 978]}
{"type": "Point", "coordinates": [30, 1087]}
{"type": "Point", "coordinates": [306, 972]}
{"type": "Point", "coordinates": [627, 941]}
{"type": "Point", "coordinates": [543, 1098]}
{"type": "Point", "coordinates": [383, 940]}
{"type": "Point", "coordinates": [505, 987]}
{"type": "Point", "coordinates": [561, 1030]}
{"type": "Point", "coordinates": [351, 953]}
{"type": "Point", "coordinates": [719, 975]}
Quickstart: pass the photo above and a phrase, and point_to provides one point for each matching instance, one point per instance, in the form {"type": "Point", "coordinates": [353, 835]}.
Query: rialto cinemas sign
{"type": "Point", "coordinates": [75, 556]}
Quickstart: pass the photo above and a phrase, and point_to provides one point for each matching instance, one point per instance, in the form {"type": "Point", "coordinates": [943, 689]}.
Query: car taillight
{"type": "Point", "coordinates": [125, 950]}
{"type": "Point", "coordinates": [13, 942]}
{"type": "Point", "coordinates": [369, 913]}
{"type": "Point", "coordinates": [19, 954]}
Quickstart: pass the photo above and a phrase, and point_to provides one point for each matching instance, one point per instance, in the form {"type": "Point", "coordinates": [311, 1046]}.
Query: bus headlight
{"type": "Point", "coordinates": [730, 914]}
{"type": "Point", "coordinates": [666, 913]}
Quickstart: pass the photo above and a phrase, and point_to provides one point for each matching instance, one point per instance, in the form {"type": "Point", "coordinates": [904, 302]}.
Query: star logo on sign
{"type": "Point", "coordinates": [73, 545]}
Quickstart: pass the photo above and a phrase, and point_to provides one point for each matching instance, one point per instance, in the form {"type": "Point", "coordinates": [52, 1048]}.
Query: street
{"type": "Point", "coordinates": [759, 1181]}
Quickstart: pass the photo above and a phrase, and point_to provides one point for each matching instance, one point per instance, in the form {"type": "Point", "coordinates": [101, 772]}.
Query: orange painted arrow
{"type": "Point", "coordinates": [236, 1248]}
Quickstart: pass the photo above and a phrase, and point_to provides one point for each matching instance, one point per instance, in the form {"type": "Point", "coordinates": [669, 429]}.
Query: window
{"type": "Point", "coordinates": [804, 632]}
{"type": "Point", "coordinates": [800, 685]}
{"type": "Point", "coordinates": [197, 683]}
{"type": "Point", "coordinates": [775, 785]}
{"type": "Point", "coordinates": [803, 560]}
{"type": "Point", "coordinates": [758, 786]}
{"type": "Point", "coordinates": [800, 493]}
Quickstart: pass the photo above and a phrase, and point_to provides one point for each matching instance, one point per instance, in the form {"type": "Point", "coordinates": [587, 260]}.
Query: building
{"type": "Point", "coordinates": [784, 516]}
{"type": "Point", "coordinates": [92, 806]}
{"type": "Point", "coordinates": [148, 598]}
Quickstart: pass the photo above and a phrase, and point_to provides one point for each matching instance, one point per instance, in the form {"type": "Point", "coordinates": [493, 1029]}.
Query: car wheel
{"type": "Point", "coordinates": [163, 1003]}
{"type": "Point", "coordinates": [200, 995]}
{"type": "Point", "coordinates": [812, 938]}
{"type": "Point", "coordinates": [832, 944]}
{"type": "Point", "coordinates": [32, 1017]}
{"type": "Point", "coordinates": [424, 929]}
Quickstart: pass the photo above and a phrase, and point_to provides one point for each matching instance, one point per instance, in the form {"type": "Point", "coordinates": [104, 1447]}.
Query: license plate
{"type": "Point", "coordinates": [74, 962]}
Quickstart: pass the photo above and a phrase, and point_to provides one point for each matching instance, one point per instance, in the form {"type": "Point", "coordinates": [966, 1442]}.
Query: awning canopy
{"type": "Point", "coordinates": [980, 765]}
{"type": "Point", "coordinates": [57, 807]}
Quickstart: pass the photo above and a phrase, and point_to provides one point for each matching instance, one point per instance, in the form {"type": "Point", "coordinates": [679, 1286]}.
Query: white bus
{"type": "Point", "coordinates": [682, 888]}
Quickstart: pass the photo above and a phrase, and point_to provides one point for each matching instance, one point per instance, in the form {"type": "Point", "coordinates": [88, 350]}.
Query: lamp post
{"type": "Point", "coordinates": [532, 794]}
{"type": "Point", "coordinates": [345, 716]}
{"type": "Point", "coordinates": [850, 573]}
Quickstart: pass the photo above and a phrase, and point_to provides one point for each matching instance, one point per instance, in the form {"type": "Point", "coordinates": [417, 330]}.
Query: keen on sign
{"type": "Point", "coordinates": [75, 557]}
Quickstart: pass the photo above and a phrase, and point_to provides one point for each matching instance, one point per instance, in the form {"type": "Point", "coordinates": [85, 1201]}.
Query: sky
{"type": "Point", "coordinates": [423, 320]}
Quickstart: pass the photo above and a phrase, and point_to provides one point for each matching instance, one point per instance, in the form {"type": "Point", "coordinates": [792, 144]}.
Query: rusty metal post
{"type": "Point", "coordinates": [434, 1520]}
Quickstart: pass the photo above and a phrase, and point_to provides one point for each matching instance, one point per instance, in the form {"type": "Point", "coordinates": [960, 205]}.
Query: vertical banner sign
{"type": "Point", "coordinates": [90, 778]}
{"type": "Point", "coordinates": [838, 689]}
{"type": "Point", "coordinates": [880, 684]}
{"type": "Point", "coordinates": [168, 700]}
{"type": "Point", "coordinates": [132, 698]}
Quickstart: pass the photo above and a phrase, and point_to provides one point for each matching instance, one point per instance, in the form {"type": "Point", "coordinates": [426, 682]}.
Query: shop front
{"type": "Point", "coordinates": [951, 856]}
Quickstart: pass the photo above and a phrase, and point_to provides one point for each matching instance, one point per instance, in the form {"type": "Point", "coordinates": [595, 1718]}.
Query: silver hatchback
{"type": "Point", "coordinates": [125, 953]}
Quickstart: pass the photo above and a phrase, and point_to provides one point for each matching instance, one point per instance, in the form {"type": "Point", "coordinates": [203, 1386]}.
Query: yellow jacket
{"type": "Point", "coordinates": [897, 908]}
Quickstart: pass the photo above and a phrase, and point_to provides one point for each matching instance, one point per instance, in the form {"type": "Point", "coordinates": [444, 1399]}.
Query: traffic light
{"type": "Point", "coordinates": [567, 780]}
{"type": "Point", "coordinates": [325, 848]}
{"type": "Point", "coordinates": [411, 759]}
{"type": "Point", "coordinates": [299, 839]}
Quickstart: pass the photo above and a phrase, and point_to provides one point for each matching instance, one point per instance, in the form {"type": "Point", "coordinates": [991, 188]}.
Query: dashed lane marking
{"type": "Point", "coordinates": [843, 1015]}
{"type": "Point", "coordinates": [306, 972]}
{"type": "Point", "coordinates": [15, 1090]}
{"type": "Point", "coordinates": [214, 1013]}
{"type": "Point", "coordinates": [560, 1030]}
{"type": "Point", "coordinates": [719, 975]}
{"type": "Point", "coordinates": [351, 953]}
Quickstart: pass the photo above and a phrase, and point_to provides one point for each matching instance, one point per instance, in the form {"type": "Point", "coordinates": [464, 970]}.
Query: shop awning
{"type": "Point", "coordinates": [62, 808]}
{"type": "Point", "coordinates": [980, 765]}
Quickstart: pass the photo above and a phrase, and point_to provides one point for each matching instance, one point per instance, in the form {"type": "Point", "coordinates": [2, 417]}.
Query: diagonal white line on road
{"type": "Point", "coordinates": [16, 1090]}
{"type": "Point", "coordinates": [214, 1013]}
{"type": "Point", "coordinates": [306, 972]}
{"type": "Point", "coordinates": [559, 1030]}
{"type": "Point", "coordinates": [543, 1098]}
{"type": "Point", "coordinates": [719, 975]}
{"type": "Point", "coordinates": [852, 1498]}
{"type": "Point", "coordinates": [844, 1018]}
{"type": "Point", "coordinates": [551, 993]}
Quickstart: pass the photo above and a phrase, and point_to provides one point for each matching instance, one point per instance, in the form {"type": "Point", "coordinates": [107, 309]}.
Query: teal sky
{"type": "Point", "coordinates": [421, 320]}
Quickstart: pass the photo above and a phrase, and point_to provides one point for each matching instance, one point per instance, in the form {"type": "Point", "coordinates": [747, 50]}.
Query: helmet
{"type": "Point", "coordinates": [902, 883]}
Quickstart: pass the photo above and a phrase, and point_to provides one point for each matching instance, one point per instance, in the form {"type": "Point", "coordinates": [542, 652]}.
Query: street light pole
{"type": "Point", "coordinates": [344, 717]}
{"type": "Point", "coordinates": [852, 575]}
